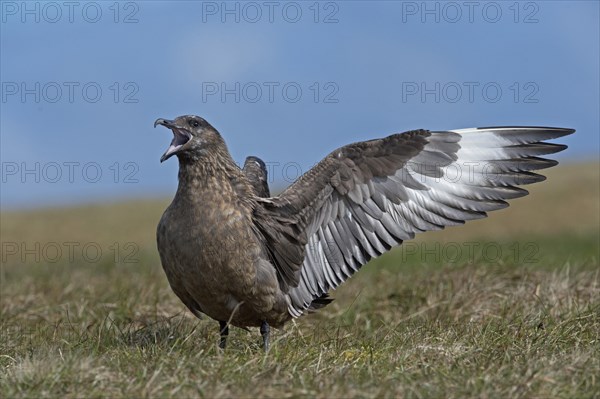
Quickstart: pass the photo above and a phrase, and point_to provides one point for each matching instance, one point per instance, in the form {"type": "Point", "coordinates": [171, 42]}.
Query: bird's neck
{"type": "Point", "coordinates": [214, 175]}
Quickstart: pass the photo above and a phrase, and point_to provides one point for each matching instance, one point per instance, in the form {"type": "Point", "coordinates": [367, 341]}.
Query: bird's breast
{"type": "Point", "coordinates": [211, 246]}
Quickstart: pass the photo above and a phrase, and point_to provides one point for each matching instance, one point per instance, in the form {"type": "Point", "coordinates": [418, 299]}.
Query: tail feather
{"type": "Point", "coordinates": [320, 303]}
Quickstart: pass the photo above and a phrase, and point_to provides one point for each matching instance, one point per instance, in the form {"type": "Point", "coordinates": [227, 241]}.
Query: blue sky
{"type": "Point", "coordinates": [287, 81]}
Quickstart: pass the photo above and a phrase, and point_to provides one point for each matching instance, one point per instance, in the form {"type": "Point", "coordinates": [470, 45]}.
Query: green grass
{"type": "Point", "coordinates": [522, 321]}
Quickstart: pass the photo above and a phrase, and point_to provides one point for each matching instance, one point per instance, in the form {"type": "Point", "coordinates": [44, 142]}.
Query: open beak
{"type": "Point", "coordinates": [180, 137]}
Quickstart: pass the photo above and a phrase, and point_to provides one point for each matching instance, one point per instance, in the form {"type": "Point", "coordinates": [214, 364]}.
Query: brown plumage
{"type": "Point", "coordinates": [256, 173]}
{"type": "Point", "coordinates": [231, 251]}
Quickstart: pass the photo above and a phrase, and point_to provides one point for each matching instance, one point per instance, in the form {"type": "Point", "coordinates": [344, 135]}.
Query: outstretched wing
{"type": "Point", "coordinates": [366, 197]}
{"type": "Point", "coordinates": [256, 173]}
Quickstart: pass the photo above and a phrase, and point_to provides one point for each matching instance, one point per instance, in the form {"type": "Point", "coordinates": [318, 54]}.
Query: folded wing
{"type": "Point", "coordinates": [256, 173]}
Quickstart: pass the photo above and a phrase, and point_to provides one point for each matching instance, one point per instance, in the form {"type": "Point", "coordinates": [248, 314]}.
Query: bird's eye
{"type": "Point", "coordinates": [194, 123]}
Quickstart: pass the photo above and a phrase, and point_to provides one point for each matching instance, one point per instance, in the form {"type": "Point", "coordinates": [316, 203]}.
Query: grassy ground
{"type": "Point", "coordinates": [504, 307]}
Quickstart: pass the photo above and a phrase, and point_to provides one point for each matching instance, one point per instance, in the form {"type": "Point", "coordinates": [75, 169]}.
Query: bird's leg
{"type": "Point", "coordinates": [224, 329]}
{"type": "Point", "coordinates": [264, 331]}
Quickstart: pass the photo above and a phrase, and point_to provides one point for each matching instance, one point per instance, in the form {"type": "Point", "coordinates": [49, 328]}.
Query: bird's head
{"type": "Point", "coordinates": [192, 136]}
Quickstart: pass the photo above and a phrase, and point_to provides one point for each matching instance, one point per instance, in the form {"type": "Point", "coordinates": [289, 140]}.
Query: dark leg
{"type": "Point", "coordinates": [224, 328]}
{"type": "Point", "coordinates": [264, 331]}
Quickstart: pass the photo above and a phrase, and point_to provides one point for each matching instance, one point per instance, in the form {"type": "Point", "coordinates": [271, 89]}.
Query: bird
{"type": "Point", "coordinates": [244, 258]}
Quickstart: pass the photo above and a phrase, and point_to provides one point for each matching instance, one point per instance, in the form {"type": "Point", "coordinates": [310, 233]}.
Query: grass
{"type": "Point", "coordinates": [518, 316]}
